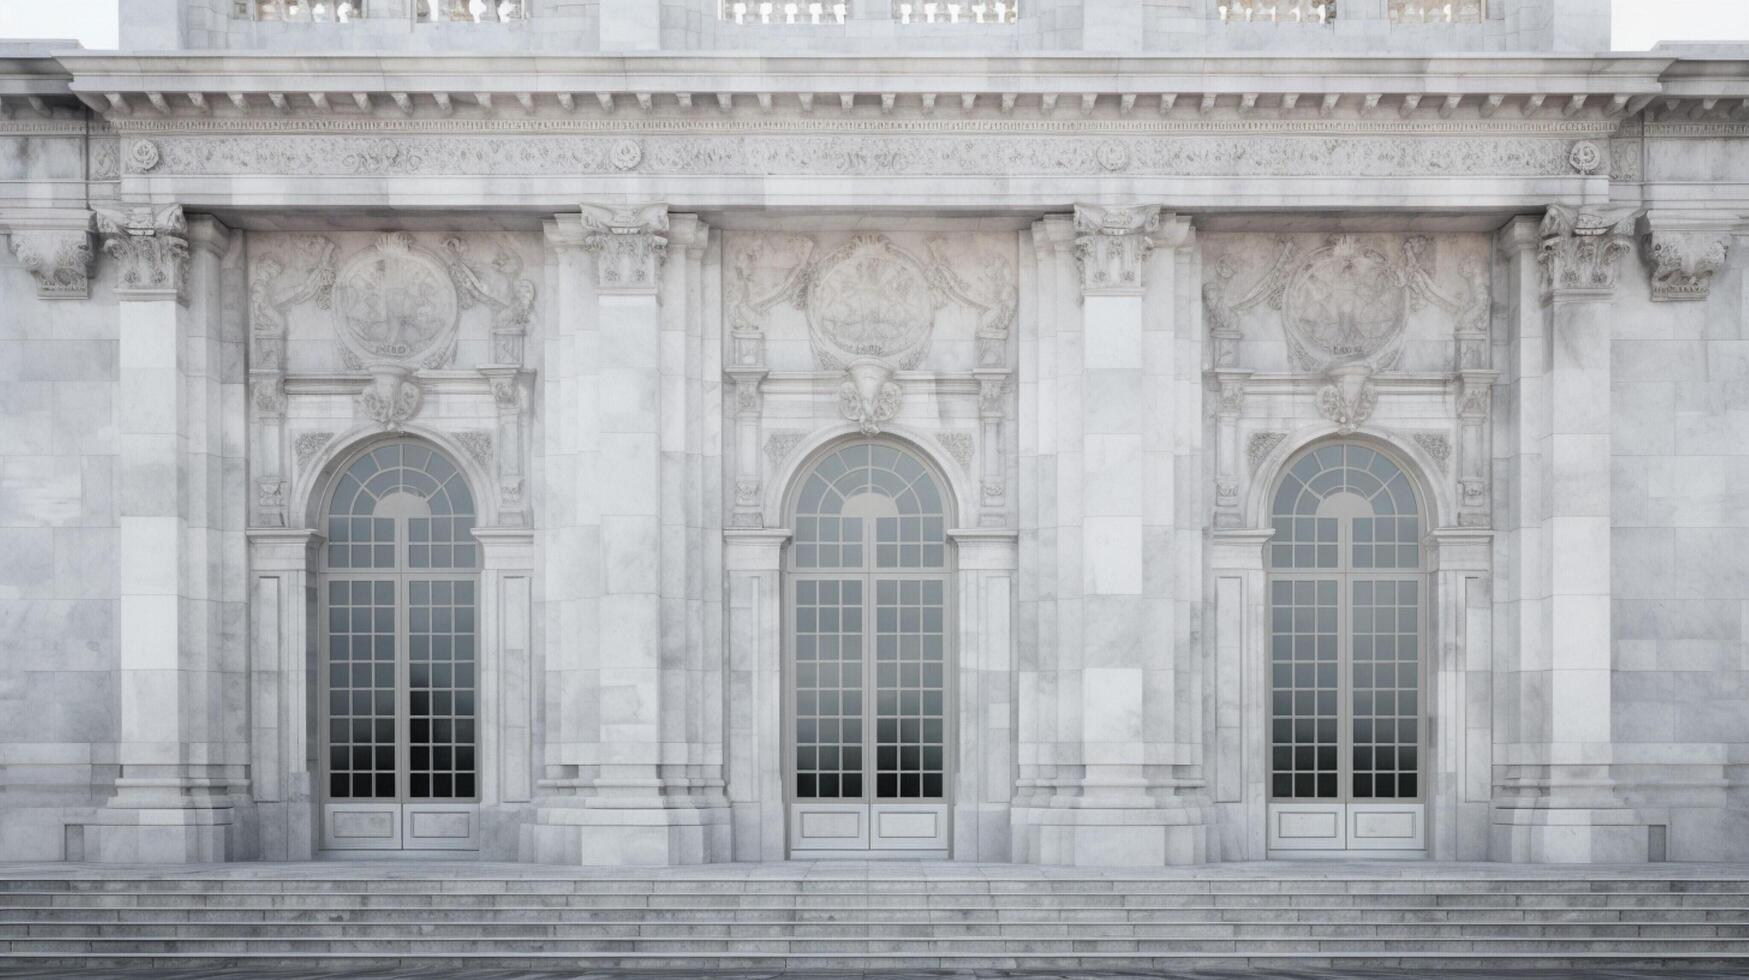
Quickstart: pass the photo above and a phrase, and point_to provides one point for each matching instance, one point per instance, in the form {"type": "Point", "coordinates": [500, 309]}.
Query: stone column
{"type": "Point", "coordinates": [637, 779]}
{"type": "Point", "coordinates": [506, 679]}
{"type": "Point", "coordinates": [1555, 801]}
{"type": "Point", "coordinates": [282, 689]}
{"type": "Point", "coordinates": [1106, 674]}
{"type": "Point", "coordinates": [986, 563]}
{"type": "Point", "coordinates": [752, 558]}
{"type": "Point", "coordinates": [173, 798]}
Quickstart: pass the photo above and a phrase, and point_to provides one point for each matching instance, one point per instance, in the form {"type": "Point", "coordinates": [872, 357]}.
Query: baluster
{"type": "Point", "coordinates": [488, 12]}
{"type": "Point", "coordinates": [765, 13]}
{"type": "Point", "coordinates": [842, 10]}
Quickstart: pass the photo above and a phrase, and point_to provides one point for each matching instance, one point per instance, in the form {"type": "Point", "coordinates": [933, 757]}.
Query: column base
{"type": "Point", "coordinates": [181, 835]}
{"type": "Point", "coordinates": [627, 837]}
{"type": "Point", "coordinates": [1570, 836]}
{"type": "Point", "coordinates": [1120, 836]}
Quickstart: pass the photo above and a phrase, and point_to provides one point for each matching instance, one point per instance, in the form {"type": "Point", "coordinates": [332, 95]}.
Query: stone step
{"type": "Point", "coordinates": [734, 930]}
{"type": "Point", "coordinates": [897, 887]}
{"type": "Point", "coordinates": [863, 946]}
{"type": "Point", "coordinates": [500, 962]}
{"type": "Point", "coordinates": [1023, 917]}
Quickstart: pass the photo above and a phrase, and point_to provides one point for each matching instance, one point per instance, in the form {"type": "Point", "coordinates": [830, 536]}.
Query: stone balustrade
{"type": "Point", "coordinates": [1437, 11]}
{"type": "Point", "coordinates": [783, 12]}
{"type": "Point", "coordinates": [983, 12]}
{"type": "Point", "coordinates": [810, 12]}
{"type": "Point", "coordinates": [1277, 11]}
{"type": "Point", "coordinates": [347, 11]}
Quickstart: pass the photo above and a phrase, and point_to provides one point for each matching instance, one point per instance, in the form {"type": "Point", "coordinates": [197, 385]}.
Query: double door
{"type": "Point", "coordinates": [400, 688]}
{"type": "Point", "coordinates": [868, 719]}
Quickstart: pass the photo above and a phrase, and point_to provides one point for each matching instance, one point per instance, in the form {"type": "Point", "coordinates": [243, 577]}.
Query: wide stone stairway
{"type": "Point", "coordinates": [846, 915]}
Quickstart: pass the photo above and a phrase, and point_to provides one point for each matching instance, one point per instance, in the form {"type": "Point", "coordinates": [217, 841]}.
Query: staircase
{"type": "Point", "coordinates": [868, 916]}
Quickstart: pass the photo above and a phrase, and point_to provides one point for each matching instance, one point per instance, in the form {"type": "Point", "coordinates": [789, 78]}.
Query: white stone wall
{"type": "Point", "coordinates": [58, 582]}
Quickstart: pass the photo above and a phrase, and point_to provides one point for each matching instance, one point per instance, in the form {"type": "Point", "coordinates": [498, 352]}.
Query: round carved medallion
{"type": "Point", "coordinates": [395, 302]}
{"type": "Point", "coordinates": [870, 299]}
{"type": "Point", "coordinates": [1346, 304]}
{"type": "Point", "coordinates": [626, 154]}
{"type": "Point", "coordinates": [1586, 157]}
{"type": "Point", "coordinates": [1113, 155]}
{"type": "Point", "coordinates": [143, 156]}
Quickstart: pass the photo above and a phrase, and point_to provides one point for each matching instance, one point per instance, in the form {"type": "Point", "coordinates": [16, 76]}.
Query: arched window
{"type": "Point", "coordinates": [1346, 652]}
{"type": "Point", "coordinates": [869, 615]}
{"type": "Point", "coordinates": [400, 581]}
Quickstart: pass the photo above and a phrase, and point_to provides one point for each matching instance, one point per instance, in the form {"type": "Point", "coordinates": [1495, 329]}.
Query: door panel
{"type": "Point", "coordinates": [361, 826]}
{"type": "Point", "coordinates": [908, 827]}
{"type": "Point", "coordinates": [818, 826]}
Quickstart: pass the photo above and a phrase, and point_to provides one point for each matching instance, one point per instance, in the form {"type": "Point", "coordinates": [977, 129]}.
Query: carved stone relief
{"type": "Point", "coordinates": [308, 445]}
{"type": "Point", "coordinates": [150, 247]}
{"type": "Point", "coordinates": [1683, 264]}
{"type": "Point", "coordinates": [1581, 246]}
{"type": "Point", "coordinates": [489, 273]}
{"type": "Point", "coordinates": [1345, 299]}
{"type": "Point", "coordinates": [869, 396]}
{"type": "Point", "coordinates": [1437, 446]}
{"type": "Point", "coordinates": [868, 299]}
{"type": "Point", "coordinates": [392, 397]}
{"type": "Point", "coordinates": [1260, 445]}
{"type": "Point", "coordinates": [278, 281]}
{"type": "Point", "coordinates": [58, 259]}
{"type": "Point", "coordinates": [779, 446]}
{"type": "Point", "coordinates": [959, 445]}
{"type": "Point", "coordinates": [395, 303]}
{"type": "Point", "coordinates": [478, 443]}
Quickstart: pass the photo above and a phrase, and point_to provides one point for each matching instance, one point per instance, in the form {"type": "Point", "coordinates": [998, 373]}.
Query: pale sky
{"type": "Point", "coordinates": [1639, 24]}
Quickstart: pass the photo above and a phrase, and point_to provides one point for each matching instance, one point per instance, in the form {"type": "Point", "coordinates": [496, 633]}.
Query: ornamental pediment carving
{"type": "Point", "coordinates": [866, 297]}
{"type": "Point", "coordinates": [351, 301]}
{"type": "Point", "coordinates": [1316, 304]}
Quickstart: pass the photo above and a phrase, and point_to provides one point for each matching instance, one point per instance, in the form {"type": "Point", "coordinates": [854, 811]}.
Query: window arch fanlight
{"type": "Point", "coordinates": [870, 481]}
{"type": "Point", "coordinates": [1307, 524]}
{"type": "Point", "coordinates": [408, 480]}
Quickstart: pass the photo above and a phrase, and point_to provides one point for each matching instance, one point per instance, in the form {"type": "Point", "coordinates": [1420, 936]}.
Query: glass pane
{"type": "Point", "coordinates": [1387, 689]}
{"type": "Point", "coordinates": [828, 689]}
{"type": "Point", "coordinates": [910, 689]}
{"type": "Point", "coordinates": [441, 690]}
{"type": "Point", "coordinates": [361, 690]}
{"type": "Point", "coordinates": [1386, 539]}
{"type": "Point", "coordinates": [1304, 683]}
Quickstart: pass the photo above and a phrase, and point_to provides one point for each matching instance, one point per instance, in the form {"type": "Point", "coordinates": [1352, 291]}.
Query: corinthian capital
{"type": "Point", "coordinates": [1684, 251]}
{"type": "Point", "coordinates": [59, 259]}
{"type": "Point", "coordinates": [630, 246]}
{"type": "Point", "coordinates": [1112, 246]}
{"type": "Point", "coordinates": [1581, 246]}
{"type": "Point", "coordinates": [151, 246]}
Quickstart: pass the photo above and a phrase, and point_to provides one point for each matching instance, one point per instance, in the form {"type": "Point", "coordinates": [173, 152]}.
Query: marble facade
{"type": "Point", "coordinates": [635, 281]}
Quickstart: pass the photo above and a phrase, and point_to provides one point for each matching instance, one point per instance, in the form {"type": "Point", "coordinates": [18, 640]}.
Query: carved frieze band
{"type": "Point", "coordinates": [1060, 151]}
